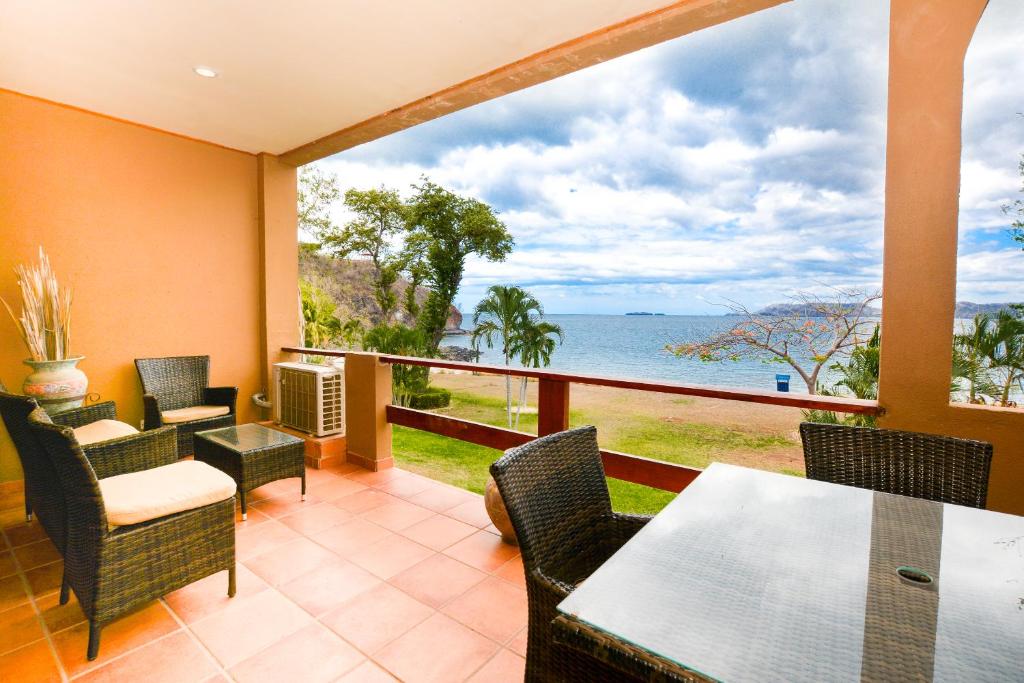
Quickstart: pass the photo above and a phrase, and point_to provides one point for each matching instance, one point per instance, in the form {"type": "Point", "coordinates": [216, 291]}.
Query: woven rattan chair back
{"type": "Point", "coordinates": [86, 516]}
{"type": "Point", "coordinates": [553, 488]}
{"type": "Point", "coordinates": [177, 382]}
{"type": "Point", "coordinates": [43, 493]}
{"type": "Point", "coordinates": [939, 468]}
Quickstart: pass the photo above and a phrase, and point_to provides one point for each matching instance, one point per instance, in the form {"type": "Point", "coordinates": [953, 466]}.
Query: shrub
{"type": "Point", "coordinates": [433, 397]}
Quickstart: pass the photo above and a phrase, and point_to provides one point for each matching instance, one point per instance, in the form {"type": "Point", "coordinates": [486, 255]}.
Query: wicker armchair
{"type": "Point", "coordinates": [557, 498]}
{"type": "Point", "coordinates": [939, 468]}
{"type": "Point", "coordinates": [43, 494]}
{"type": "Point", "coordinates": [115, 569]}
{"type": "Point", "coordinates": [182, 382]}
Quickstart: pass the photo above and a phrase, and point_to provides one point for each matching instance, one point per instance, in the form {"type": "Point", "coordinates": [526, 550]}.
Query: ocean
{"type": "Point", "coordinates": [633, 346]}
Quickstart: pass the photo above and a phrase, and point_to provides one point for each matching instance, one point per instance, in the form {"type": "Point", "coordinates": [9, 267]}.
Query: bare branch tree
{"type": "Point", "coordinates": [805, 334]}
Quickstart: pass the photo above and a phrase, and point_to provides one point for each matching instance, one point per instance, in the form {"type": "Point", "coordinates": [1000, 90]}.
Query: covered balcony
{"type": "Point", "coordinates": [169, 201]}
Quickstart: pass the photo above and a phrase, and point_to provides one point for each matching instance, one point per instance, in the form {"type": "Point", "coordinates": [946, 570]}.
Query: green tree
{"type": "Point", "coordinates": [451, 228]}
{"type": "Point", "coordinates": [317, 191]}
{"type": "Point", "coordinates": [534, 345]}
{"type": "Point", "coordinates": [503, 314]}
{"type": "Point", "coordinates": [407, 381]}
{"type": "Point", "coordinates": [320, 325]}
{"type": "Point", "coordinates": [414, 256]}
{"type": "Point", "coordinates": [375, 232]}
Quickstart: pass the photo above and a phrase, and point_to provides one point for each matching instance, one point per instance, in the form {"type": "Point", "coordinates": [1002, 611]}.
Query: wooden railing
{"type": "Point", "coordinates": [553, 412]}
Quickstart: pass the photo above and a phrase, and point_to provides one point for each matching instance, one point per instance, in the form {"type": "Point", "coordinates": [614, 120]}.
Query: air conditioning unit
{"type": "Point", "coordinates": [310, 398]}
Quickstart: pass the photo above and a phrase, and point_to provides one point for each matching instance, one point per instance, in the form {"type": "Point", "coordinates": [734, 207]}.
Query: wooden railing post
{"type": "Point", "coordinates": [367, 396]}
{"type": "Point", "coordinates": [552, 407]}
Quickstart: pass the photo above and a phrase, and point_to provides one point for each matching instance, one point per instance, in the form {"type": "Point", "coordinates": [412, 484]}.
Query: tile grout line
{"type": "Point", "coordinates": [27, 587]}
{"type": "Point", "coordinates": [195, 639]}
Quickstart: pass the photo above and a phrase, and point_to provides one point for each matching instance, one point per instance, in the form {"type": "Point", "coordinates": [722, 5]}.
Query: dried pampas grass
{"type": "Point", "coordinates": [45, 321]}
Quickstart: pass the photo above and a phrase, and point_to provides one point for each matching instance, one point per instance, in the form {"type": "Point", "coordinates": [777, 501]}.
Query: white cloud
{"type": "Point", "coordinates": [729, 163]}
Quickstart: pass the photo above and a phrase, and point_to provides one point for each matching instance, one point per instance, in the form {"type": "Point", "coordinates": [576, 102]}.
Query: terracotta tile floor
{"type": "Point", "coordinates": [376, 577]}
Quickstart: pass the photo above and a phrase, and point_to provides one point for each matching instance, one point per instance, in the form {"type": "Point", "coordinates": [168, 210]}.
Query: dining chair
{"type": "Point", "coordinates": [557, 498]}
{"type": "Point", "coordinates": [176, 391]}
{"type": "Point", "coordinates": [939, 468]}
{"type": "Point", "coordinates": [140, 523]}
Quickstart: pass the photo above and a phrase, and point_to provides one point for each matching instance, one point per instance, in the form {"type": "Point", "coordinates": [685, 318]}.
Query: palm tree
{"type": "Point", "coordinates": [503, 313]}
{"type": "Point", "coordinates": [991, 356]}
{"type": "Point", "coordinates": [534, 345]}
{"type": "Point", "coordinates": [1007, 355]}
{"type": "Point", "coordinates": [971, 351]}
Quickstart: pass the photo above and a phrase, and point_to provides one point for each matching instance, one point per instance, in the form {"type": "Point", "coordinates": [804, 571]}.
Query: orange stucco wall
{"type": "Point", "coordinates": [157, 234]}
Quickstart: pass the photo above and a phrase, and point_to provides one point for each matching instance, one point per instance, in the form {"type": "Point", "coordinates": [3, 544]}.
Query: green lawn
{"type": "Point", "coordinates": [466, 465]}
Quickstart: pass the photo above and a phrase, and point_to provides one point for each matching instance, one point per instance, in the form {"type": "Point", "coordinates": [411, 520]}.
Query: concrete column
{"type": "Point", "coordinates": [279, 262]}
{"type": "Point", "coordinates": [367, 396]}
{"type": "Point", "coordinates": [928, 40]}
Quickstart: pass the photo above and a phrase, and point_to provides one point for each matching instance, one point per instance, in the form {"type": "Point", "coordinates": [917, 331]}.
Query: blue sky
{"type": "Point", "coordinates": [743, 162]}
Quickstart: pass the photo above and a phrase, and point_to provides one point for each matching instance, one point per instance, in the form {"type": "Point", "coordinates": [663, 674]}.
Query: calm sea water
{"type": "Point", "coordinates": [633, 346]}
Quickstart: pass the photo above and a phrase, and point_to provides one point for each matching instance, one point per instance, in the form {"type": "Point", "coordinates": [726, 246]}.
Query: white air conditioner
{"type": "Point", "coordinates": [310, 398]}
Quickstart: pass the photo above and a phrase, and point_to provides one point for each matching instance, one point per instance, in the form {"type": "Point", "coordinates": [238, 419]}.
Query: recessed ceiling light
{"type": "Point", "coordinates": [205, 71]}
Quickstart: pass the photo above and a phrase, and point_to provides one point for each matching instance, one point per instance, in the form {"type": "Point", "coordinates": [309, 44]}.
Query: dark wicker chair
{"type": "Point", "coordinates": [182, 382]}
{"type": "Point", "coordinates": [43, 494]}
{"type": "Point", "coordinates": [557, 498]}
{"type": "Point", "coordinates": [939, 468]}
{"type": "Point", "coordinates": [113, 571]}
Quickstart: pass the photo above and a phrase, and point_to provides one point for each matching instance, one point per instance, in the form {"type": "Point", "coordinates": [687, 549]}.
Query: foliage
{"type": "Point", "coordinates": [815, 328]}
{"type": "Point", "coordinates": [380, 220]}
{"type": "Point", "coordinates": [320, 325]}
{"type": "Point", "coordinates": [990, 357]}
{"type": "Point", "coordinates": [400, 340]}
{"type": "Point", "coordinates": [431, 398]}
{"type": "Point", "coordinates": [317, 191]}
{"type": "Point", "coordinates": [504, 313]}
{"type": "Point", "coordinates": [45, 320]}
{"type": "Point", "coordinates": [858, 376]}
{"type": "Point", "coordinates": [1015, 210]}
{"type": "Point", "coordinates": [450, 228]}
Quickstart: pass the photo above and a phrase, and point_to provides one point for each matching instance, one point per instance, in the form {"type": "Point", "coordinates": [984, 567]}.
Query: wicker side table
{"type": "Point", "coordinates": [252, 455]}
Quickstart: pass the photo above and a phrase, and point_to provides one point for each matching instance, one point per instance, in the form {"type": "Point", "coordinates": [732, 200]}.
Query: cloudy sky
{"type": "Point", "coordinates": [742, 162]}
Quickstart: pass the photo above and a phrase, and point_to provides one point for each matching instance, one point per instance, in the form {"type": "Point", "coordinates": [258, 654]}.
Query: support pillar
{"type": "Point", "coordinates": [279, 262]}
{"type": "Point", "coordinates": [367, 396]}
{"type": "Point", "coordinates": [552, 407]}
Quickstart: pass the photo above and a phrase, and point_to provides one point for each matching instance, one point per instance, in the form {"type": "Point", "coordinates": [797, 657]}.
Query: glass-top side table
{"type": "Point", "coordinates": [252, 455]}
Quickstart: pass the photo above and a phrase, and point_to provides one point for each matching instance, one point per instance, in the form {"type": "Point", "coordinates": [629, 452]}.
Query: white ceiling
{"type": "Point", "coordinates": [290, 72]}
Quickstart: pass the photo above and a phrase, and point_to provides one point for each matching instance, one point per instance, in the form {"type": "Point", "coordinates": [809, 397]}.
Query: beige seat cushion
{"type": "Point", "coordinates": [140, 496]}
{"type": "Point", "coordinates": [102, 430]}
{"type": "Point", "coordinates": [171, 417]}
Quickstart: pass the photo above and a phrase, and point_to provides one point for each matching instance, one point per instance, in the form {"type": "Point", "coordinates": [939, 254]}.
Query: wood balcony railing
{"type": "Point", "coordinates": [553, 412]}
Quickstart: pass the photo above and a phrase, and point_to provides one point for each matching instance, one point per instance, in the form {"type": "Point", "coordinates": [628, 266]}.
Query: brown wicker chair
{"type": "Point", "coordinates": [939, 468]}
{"type": "Point", "coordinates": [557, 498]}
{"type": "Point", "coordinates": [182, 382]}
{"type": "Point", "coordinates": [113, 571]}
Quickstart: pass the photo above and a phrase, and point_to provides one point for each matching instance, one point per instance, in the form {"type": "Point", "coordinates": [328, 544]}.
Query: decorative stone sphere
{"type": "Point", "coordinates": [497, 512]}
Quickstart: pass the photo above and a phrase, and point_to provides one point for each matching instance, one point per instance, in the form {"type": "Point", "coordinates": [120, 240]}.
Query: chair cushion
{"type": "Point", "coordinates": [140, 496]}
{"type": "Point", "coordinates": [102, 430]}
{"type": "Point", "coordinates": [171, 417]}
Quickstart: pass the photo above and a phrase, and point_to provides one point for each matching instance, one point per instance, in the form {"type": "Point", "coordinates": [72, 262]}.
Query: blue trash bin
{"type": "Point", "coordinates": [782, 383]}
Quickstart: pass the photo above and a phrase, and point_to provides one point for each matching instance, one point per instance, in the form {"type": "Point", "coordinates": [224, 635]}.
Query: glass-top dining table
{"type": "Point", "coordinates": [755, 576]}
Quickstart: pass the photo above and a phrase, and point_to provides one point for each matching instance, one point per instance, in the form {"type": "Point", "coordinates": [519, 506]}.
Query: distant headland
{"type": "Point", "coordinates": [643, 313]}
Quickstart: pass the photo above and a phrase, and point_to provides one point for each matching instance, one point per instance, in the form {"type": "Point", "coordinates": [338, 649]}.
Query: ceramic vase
{"type": "Point", "coordinates": [496, 511]}
{"type": "Point", "coordinates": [57, 385]}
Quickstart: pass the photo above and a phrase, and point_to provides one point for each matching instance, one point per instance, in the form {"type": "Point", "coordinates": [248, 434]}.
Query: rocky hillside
{"type": "Point", "coordinates": [350, 284]}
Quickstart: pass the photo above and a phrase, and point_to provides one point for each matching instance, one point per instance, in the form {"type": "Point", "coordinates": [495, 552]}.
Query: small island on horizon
{"type": "Point", "coordinates": [643, 313]}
